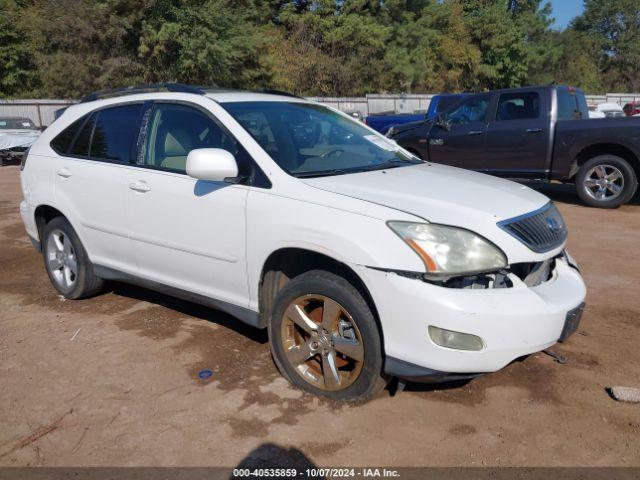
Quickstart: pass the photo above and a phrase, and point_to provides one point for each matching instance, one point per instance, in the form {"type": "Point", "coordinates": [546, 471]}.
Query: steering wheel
{"type": "Point", "coordinates": [334, 151]}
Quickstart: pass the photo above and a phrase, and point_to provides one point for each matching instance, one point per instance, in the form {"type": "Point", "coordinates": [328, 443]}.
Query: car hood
{"type": "Point", "coordinates": [17, 138]}
{"type": "Point", "coordinates": [438, 194]}
{"type": "Point", "coordinates": [405, 127]}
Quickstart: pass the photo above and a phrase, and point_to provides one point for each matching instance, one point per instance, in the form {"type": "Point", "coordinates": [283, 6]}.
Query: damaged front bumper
{"type": "Point", "coordinates": [512, 321]}
{"type": "Point", "coordinates": [13, 154]}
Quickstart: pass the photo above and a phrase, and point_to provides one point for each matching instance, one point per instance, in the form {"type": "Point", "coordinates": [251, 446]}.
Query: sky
{"type": "Point", "coordinates": [564, 11]}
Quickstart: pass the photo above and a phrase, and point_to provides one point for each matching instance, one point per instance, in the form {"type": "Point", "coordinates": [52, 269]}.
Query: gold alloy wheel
{"type": "Point", "coordinates": [322, 342]}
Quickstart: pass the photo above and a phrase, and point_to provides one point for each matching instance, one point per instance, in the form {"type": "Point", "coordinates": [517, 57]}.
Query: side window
{"type": "Point", "coordinates": [174, 130]}
{"type": "Point", "coordinates": [568, 107]}
{"type": "Point", "coordinates": [518, 106]}
{"type": "Point", "coordinates": [62, 141]}
{"type": "Point", "coordinates": [80, 146]}
{"type": "Point", "coordinates": [115, 133]}
{"type": "Point", "coordinates": [583, 110]}
{"type": "Point", "coordinates": [470, 111]}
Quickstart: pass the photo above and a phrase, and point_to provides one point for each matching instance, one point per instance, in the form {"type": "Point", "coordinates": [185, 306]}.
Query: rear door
{"type": "Point", "coordinates": [464, 143]}
{"type": "Point", "coordinates": [518, 135]}
{"type": "Point", "coordinates": [91, 181]}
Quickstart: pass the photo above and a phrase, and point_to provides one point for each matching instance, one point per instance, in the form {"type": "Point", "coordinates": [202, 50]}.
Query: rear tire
{"type": "Point", "coordinates": [331, 318]}
{"type": "Point", "coordinates": [606, 181]}
{"type": "Point", "coordinates": [67, 262]}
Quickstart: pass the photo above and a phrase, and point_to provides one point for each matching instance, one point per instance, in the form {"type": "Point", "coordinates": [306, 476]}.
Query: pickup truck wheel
{"type": "Point", "coordinates": [67, 262]}
{"type": "Point", "coordinates": [606, 181]}
{"type": "Point", "coordinates": [324, 338]}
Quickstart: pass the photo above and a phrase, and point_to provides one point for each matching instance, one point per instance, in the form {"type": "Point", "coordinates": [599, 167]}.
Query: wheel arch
{"type": "Point", "coordinates": [597, 149]}
{"type": "Point", "coordinates": [43, 214]}
{"type": "Point", "coordinates": [286, 263]}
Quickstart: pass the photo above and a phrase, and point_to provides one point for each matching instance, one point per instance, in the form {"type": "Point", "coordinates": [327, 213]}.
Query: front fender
{"type": "Point", "coordinates": [275, 222]}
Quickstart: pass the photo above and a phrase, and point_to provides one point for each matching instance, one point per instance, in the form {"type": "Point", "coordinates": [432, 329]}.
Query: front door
{"type": "Point", "coordinates": [462, 144]}
{"type": "Point", "coordinates": [518, 136]}
{"type": "Point", "coordinates": [186, 233]}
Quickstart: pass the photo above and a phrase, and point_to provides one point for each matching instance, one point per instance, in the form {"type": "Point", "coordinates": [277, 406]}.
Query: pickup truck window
{"type": "Point", "coordinates": [518, 106]}
{"type": "Point", "coordinates": [469, 111]}
{"type": "Point", "coordinates": [571, 105]}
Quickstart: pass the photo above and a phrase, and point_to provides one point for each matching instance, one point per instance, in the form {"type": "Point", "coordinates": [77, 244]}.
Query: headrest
{"type": "Point", "coordinates": [177, 143]}
{"type": "Point", "coordinates": [513, 110]}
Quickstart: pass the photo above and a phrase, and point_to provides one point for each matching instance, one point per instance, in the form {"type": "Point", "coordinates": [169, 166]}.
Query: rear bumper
{"type": "Point", "coordinates": [512, 322]}
{"type": "Point", "coordinates": [29, 223]}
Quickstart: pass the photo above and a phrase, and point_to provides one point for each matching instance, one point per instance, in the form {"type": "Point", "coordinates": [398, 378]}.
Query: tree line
{"type": "Point", "coordinates": [66, 48]}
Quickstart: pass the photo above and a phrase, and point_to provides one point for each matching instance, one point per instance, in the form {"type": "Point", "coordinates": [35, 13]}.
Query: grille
{"type": "Point", "coordinates": [541, 230]}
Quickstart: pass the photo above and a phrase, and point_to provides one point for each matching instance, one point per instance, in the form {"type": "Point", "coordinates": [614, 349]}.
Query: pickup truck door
{"type": "Point", "coordinates": [518, 135]}
{"type": "Point", "coordinates": [462, 144]}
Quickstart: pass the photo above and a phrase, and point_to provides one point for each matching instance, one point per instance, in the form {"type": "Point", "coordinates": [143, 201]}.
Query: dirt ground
{"type": "Point", "coordinates": [113, 380]}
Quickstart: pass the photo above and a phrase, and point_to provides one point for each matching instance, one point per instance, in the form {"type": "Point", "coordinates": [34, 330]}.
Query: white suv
{"type": "Point", "coordinates": [363, 261]}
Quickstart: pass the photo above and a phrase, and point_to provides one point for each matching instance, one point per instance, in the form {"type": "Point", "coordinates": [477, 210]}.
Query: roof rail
{"type": "Point", "coordinates": [277, 92]}
{"type": "Point", "coordinates": [148, 88]}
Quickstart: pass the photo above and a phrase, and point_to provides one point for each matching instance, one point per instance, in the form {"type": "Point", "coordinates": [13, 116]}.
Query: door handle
{"type": "Point", "coordinates": [141, 187]}
{"type": "Point", "coordinates": [475, 132]}
{"type": "Point", "coordinates": [64, 172]}
{"type": "Point", "coordinates": [534, 130]}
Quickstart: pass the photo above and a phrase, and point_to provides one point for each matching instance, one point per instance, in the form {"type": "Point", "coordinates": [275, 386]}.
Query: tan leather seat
{"type": "Point", "coordinates": [177, 145]}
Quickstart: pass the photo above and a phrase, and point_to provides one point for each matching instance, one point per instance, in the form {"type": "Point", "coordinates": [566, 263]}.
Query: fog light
{"type": "Point", "coordinates": [457, 340]}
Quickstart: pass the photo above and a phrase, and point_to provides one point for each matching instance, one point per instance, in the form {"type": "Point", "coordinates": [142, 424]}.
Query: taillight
{"type": "Point", "coordinates": [23, 161]}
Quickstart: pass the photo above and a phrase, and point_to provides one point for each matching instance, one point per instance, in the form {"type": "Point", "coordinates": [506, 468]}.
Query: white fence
{"type": "Point", "coordinates": [41, 112]}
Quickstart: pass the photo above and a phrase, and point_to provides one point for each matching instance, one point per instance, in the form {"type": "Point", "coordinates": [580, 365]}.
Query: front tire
{"type": "Point", "coordinates": [324, 338]}
{"type": "Point", "coordinates": [606, 181]}
{"type": "Point", "coordinates": [67, 262]}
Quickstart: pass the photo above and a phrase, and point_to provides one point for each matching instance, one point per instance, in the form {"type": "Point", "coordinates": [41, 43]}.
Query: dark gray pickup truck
{"type": "Point", "coordinates": [541, 133]}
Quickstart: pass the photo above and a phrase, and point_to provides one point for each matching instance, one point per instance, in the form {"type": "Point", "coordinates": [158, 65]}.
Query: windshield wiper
{"type": "Point", "coordinates": [394, 163]}
{"type": "Point", "coordinates": [328, 173]}
{"type": "Point", "coordinates": [321, 173]}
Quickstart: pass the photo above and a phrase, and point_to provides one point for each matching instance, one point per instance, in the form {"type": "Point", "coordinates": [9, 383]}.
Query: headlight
{"type": "Point", "coordinates": [450, 250]}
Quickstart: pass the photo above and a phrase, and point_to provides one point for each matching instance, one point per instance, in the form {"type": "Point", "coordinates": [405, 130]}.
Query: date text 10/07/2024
{"type": "Point", "coordinates": [316, 473]}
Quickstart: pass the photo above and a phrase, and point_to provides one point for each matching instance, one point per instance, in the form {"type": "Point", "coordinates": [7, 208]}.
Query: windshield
{"type": "Point", "coordinates": [16, 124]}
{"type": "Point", "coordinates": [309, 140]}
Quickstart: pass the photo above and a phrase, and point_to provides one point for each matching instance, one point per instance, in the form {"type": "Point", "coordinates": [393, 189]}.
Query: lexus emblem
{"type": "Point", "coordinates": [554, 225]}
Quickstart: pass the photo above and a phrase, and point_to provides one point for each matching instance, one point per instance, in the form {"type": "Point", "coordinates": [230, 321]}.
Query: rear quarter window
{"type": "Point", "coordinates": [109, 134]}
{"type": "Point", "coordinates": [63, 140]}
{"type": "Point", "coordinates": [572, 105]}
{"type": "Point", "coordinates": [80, 146]}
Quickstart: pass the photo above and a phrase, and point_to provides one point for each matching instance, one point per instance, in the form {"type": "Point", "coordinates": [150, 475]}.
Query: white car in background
{"type": "Point", "coordinates": [16, 136]}
{"type": "Point", "coordinates": [362, 261]}
{"type": "Point", "coordinates": [605, 110]}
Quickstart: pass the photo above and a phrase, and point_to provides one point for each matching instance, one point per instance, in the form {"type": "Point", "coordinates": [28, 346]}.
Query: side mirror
{"type": "Point", "coordinates": [213, 164]}
{"type": "Point", "coordinates": [442, 122]}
